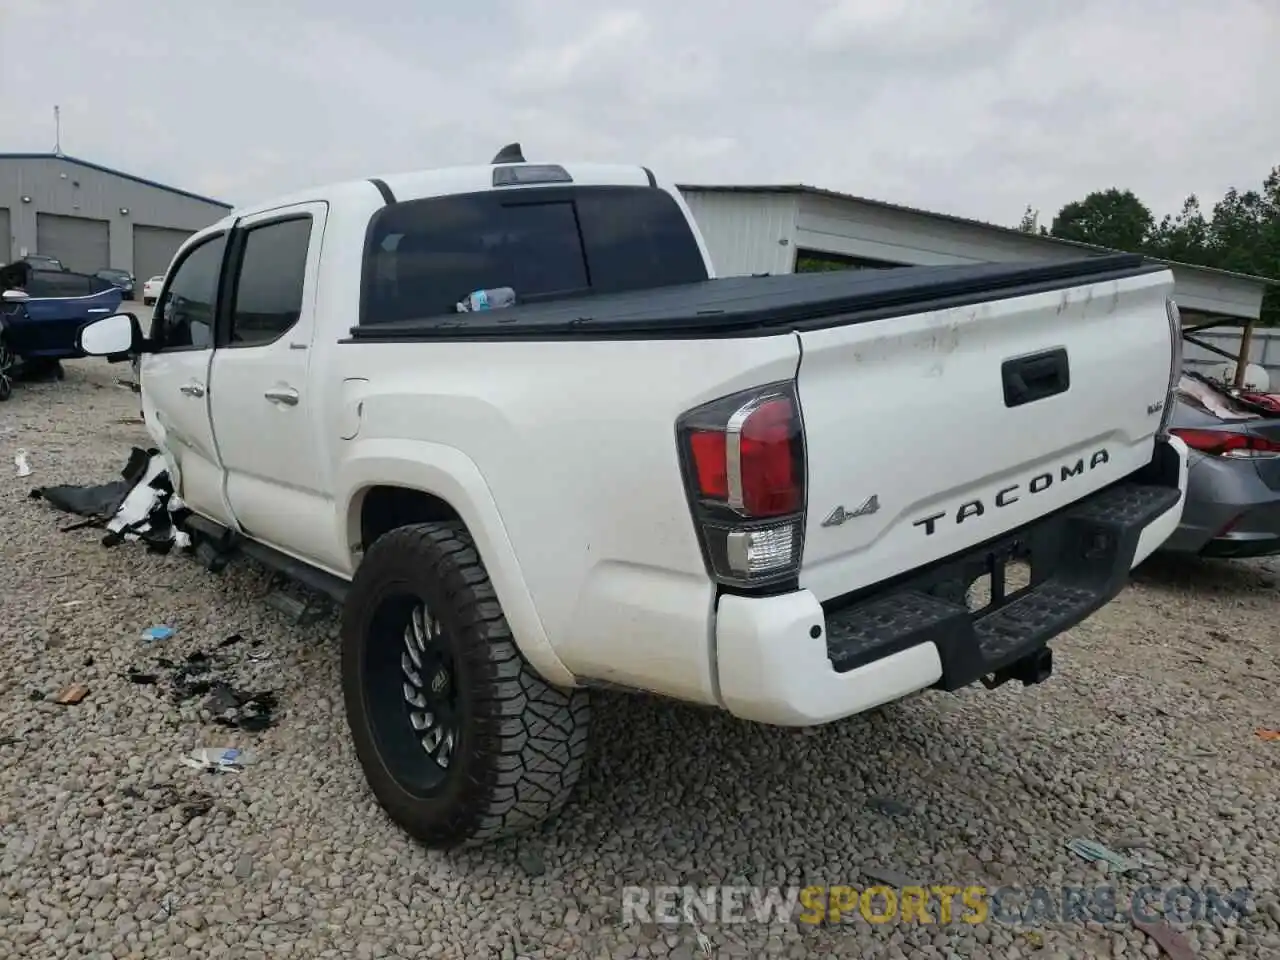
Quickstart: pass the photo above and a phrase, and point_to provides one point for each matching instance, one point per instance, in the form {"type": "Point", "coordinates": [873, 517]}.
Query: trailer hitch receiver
{"type": "Point", "coordinates": [1032, 669]}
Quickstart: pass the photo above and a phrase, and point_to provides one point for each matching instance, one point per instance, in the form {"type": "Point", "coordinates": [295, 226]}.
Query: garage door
{"type": "Point", "coordinates": [153, 248]}
{"type": "Point", "coordinates": [6, 238]}
{"type": "Point", "coordinates": [81, 244]}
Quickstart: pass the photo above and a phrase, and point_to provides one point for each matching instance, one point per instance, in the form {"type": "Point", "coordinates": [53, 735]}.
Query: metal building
{"type": "Point", "coordinates": [91, 217]}
{"type": "Point", "coordinates": [771, 229]}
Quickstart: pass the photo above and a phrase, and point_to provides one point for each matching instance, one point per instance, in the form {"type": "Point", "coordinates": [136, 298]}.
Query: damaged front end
{"type": "Point", "coordinates": [141, 505]}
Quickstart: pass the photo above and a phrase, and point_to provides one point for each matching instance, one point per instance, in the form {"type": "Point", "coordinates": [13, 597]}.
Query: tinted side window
{"type": "Point", "coordinates": [636, 240]}
{"type": "Point", "coordinates": [425, 256]}
{"type": "Point", "coordinates": [273, 266]}
{"type": "Point", "coordinates": [184, 315]}
{"type": "Point", "coordinates": [64, 283]}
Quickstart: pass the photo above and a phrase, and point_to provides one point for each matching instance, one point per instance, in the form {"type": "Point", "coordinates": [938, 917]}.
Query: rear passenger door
{"type": "Point", "coordinates": [264, 419]}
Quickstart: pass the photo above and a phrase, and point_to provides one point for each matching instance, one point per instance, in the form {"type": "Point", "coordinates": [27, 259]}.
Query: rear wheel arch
{"type": "Point", "coordinates": [384, 507]}
{"type": "Point", "coordinates": [401, 493]}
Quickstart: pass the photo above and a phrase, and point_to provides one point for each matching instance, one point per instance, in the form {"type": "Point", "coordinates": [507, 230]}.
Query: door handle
{"type": "Point", "coordinates": [286, 395]}
{"type": "Point", "coordinates": [97, 310]}
{"type": "Point", "coordinates": [192, 389]}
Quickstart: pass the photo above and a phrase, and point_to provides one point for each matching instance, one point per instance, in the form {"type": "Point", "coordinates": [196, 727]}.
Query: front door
{"type": "Point", "coordinates": [175, 377]}
{"type": "Point", "coordinates": [264, 412]}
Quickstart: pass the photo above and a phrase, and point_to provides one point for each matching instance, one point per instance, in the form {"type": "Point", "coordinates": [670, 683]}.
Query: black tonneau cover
{"type": "Point", "coordinates": [763, 305]}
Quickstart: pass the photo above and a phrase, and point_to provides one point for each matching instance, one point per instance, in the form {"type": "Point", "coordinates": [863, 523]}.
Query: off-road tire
{"type": "Point", "coordinates": [522, 741]}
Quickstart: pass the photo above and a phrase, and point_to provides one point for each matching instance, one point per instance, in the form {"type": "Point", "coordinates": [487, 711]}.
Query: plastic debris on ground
{"type": "Point", "coordinates": [200, 674]}
{"type": "Point", "coordinates": [255, 655]}
{"type": "Point", "coordinates": [888, 806]}
{"type": "Point", "coordinates": [168, 907]}
{"type": "Point", "coordinates": [154, 634]}
{"type": "Point", "coordinates": [247, 710]}
{"type": "Point", "coordinates": [72, 694]}
{"type": "Point", "coordinates": [1094, 852]}
{"type": "Point", "coordinates": [218, 759]}
{"type": "Point", "coordinates": [1265, 734]}
{"type": "Point", "coordinates": [141, 506]}
{"type": "Point", "coordinates": [22, 463]}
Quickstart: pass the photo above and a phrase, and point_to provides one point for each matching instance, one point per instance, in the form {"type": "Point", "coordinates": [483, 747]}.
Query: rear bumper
{"type": "Point", "coordinates": [1230, 512]}
{"type": "Point", "coordinates": [787, 660]}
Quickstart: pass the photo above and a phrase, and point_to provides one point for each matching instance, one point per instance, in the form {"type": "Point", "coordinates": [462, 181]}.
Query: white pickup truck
{"type": "Point", "coordinates": [794, 498]}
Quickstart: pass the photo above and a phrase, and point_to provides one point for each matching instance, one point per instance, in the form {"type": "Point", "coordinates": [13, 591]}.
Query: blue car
{"type": "Point", "coordinates": [41, 311]}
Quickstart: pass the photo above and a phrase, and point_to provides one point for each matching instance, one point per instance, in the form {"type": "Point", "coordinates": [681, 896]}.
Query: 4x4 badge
{"type": "Point", "coordinates": [839, 515]}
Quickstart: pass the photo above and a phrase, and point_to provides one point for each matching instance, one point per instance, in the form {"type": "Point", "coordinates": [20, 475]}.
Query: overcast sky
{"type": "Point", "coordinates": [973, 107]}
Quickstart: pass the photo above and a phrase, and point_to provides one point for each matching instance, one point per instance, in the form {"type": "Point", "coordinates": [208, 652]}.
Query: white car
{"type": "Point", "coordinates": [151, 290]}
{"type": "Point", "coordinates": [793, 498]}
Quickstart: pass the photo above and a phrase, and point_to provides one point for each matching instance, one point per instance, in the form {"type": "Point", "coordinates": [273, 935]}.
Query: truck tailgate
{"type": "Point", "coordinates": [928, 433]}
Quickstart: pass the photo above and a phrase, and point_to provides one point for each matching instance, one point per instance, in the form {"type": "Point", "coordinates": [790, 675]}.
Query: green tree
{"type": "Point", "coordinates": [1184, 238]}
{"type": "Point", "coordinates": [1108, 218]}
{"type": "Point", "coordinates": [1030, 223]}
{"type": "Point", "coordinates": [1241, 234]}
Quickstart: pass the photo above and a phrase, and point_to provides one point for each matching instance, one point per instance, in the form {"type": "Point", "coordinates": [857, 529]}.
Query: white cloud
{"type": "Point", "coordinates": [901, 27]}
{"type": "Point", "coordinates": [977, 107]}
{"type": "Point", "coordinates": [581, 59]}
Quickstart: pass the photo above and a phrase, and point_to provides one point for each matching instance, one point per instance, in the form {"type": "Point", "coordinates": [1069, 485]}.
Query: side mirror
{"type": "Point", "coordinates": [15, 296]}
{"type": "Point", "coordinates": [113, 336]}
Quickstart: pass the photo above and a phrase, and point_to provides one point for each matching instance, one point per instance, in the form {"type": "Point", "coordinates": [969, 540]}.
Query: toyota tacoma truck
{"type": "Point", "coordinates": [794, 498]}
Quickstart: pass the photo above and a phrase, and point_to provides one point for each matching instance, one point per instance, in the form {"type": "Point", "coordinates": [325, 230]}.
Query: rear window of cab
{"type": "Point", "coordinates": [422, 257]}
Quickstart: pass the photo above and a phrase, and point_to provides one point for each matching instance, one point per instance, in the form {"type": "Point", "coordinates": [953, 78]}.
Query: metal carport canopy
{"type": "Point", "coordinates": [824, 221]}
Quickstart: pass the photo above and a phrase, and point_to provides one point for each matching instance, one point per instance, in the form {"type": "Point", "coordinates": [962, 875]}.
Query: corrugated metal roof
{"type": "Point", "coordinates": [802, 188]}
{"type": "Point", "coordinates": [114, 173]}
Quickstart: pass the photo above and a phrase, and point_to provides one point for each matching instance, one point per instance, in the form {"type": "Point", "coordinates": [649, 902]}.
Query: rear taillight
{"type": "Point", "coordinates": [1221, 443]}
{"type": "Point", "coordinates": [744, 469]}
{"type": "Point", "coordinates": [1175, 365]}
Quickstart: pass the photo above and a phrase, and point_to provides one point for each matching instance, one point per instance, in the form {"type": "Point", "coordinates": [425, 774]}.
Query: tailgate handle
{"type": "Point", "coordinates": [1028, 379]}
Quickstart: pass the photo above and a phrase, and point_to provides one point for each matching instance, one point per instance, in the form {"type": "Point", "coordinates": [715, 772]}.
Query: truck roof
{"type": "Point", "coordinates": [445, 181]}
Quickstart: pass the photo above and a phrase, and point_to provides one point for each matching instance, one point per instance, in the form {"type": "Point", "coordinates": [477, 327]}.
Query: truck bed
{"type": "Point", "coordinates": [743, 306]}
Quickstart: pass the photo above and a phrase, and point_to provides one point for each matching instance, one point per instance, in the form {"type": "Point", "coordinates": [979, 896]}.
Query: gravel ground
{"type": "Point", "coordinates": [113, 848]}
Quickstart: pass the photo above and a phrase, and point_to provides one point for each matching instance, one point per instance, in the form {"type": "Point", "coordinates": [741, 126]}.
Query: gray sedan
{"type": "Point", "coordinates": [1233, 483]}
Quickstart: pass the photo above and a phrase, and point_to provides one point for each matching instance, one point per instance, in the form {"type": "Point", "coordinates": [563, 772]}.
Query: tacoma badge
{"type": "Point", "coordinates": [1013, 493]}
